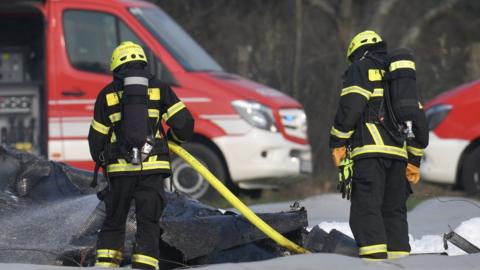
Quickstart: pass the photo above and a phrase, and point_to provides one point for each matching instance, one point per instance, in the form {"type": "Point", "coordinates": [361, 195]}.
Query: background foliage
{"type": "Point", "coordinates": [298, 46]}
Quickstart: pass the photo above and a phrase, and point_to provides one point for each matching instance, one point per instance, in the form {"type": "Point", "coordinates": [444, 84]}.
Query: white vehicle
{"type": "Point", "coordinates": [453, 154]}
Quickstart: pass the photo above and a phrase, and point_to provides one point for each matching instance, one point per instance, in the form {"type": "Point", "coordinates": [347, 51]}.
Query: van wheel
{"type": "Point", "coordinates": [471, 173]}
{"type": "Point", "coordinates": [188, 181]}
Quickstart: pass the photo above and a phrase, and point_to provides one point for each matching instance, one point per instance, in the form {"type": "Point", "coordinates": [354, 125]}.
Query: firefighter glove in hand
{"type": "Point", "coordinates": [345, 178]}
{"type": "Point", "coordinates": [339, 154]}
{"type": "Point", "coordinates": [413, 173]}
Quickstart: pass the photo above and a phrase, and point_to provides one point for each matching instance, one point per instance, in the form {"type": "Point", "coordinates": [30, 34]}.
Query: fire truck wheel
{"type": "Point", "coordinates": [471, 173]}
{"type": "Point", "coordinates": [187, 180]}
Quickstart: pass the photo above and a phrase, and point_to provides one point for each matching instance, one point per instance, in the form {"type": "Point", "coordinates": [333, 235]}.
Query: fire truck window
{"type": "Point", "coordinates": [127, 34]}
{"type": "Point", "coordinates": [155, 66]}
{"type": "Point", "coordinates": [90, 39]}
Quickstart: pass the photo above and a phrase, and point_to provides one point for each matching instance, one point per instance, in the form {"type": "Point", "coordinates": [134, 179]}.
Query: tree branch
{"type": "Point", "coordinates": [324, 6]}
{"type": "Point", "coordinates": [414, 31]}
{"type": "Point", "coordinates": [382, 13]}
{"type": "Point", "coordinates": [298, 46]}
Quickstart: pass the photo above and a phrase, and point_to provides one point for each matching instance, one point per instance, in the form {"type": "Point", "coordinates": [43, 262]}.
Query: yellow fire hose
{"type": "Point", "coordinates": [232, 199]}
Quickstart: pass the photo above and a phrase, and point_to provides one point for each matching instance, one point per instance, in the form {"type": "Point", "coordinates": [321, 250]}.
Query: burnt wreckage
{"type": "Point", "coordinates": [50, 215]}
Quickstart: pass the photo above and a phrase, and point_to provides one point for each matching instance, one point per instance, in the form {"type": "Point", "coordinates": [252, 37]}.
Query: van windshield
{"type": "Point", "coordinates": [183, 48]}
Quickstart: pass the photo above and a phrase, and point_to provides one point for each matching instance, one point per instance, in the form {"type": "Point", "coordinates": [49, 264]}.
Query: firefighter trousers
{"type": "Point", "coordinates": [378, 212]}
{"type": "Point", "coordinates": [147, 192]}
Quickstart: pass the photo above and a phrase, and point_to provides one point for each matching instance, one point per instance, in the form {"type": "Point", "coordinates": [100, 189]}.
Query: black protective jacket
{"type": "Point", "coordinates": [163, 104]}
{"type": "Point", "coordinates": [361, 121]}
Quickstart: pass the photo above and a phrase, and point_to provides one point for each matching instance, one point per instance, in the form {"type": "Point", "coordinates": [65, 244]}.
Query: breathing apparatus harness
{"type": "Point", "coordinates": [391, 106]}
{"type": "Point", "coordinates": [135, 147]}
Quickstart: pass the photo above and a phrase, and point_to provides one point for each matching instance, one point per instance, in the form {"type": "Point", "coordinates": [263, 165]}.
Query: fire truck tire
{"type": "Point", "coordinates": [187, 180]}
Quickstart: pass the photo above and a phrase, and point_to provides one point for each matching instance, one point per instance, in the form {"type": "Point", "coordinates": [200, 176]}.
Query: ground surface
{"type": "Point", "coordinates": [428, 221]}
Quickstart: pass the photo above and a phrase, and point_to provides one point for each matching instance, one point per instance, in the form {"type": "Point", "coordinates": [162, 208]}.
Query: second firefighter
{"type": "Point", "coordinates": [382, 158]}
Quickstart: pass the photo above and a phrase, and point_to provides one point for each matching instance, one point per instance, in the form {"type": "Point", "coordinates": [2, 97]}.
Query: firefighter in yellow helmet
{"type": "Point", "coordinates": [127, 140]}
{"type": "Point", "coordinates": [359, 139]}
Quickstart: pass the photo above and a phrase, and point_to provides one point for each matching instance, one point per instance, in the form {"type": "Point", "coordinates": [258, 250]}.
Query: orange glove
{"type": "Point", "coordinates": [339, 154]}
{"type": "Point", "coordinates": [413, 173]}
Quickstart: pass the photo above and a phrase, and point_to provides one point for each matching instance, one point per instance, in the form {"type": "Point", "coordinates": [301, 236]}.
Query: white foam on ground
{"type": "Point", "coordinates": [469, 229]}
{"type": "Point", "coordinates": [427, 222]}
{"type": "Point", "coordinates": [427, 244]}
{"type": "Point", "coordinates": [343, 227]}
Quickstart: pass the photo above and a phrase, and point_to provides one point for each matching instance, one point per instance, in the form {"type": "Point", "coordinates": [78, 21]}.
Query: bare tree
{"type": "Point", "coordinates": [298, 46]}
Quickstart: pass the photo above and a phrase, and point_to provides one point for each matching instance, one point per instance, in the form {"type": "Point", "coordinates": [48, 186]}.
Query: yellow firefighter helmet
{"type": "Point", "coordinates": [126, 52]}
{"type": "Point", "coordinates": [361, 39]}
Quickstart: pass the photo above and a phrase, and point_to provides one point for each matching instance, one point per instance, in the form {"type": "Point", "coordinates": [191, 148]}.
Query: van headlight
{"type": "Point", "coordinates": [256, 114]}
{"type": "Point", "coordinates": [436, 114]}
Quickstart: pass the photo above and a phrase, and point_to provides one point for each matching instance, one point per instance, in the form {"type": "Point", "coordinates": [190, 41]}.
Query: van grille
{"type": "Point", "coordinates": [294, 122]}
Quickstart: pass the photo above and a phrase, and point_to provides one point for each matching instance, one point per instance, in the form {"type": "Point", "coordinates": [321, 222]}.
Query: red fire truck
{"type": "Point", "coordinates": [54, 58]}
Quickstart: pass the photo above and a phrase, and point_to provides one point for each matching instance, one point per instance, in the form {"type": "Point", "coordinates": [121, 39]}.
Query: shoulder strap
{"type": "Point", "coordinates": [101, 162]}
{"type": "Point", "coordinates": [391, 126]}
{"type": "Point", "coordinates": [379, 61]}
{"type": "Point", "coordinates": [383, 64]}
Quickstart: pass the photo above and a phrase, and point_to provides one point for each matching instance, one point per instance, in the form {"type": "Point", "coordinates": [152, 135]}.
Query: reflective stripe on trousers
{"type": "Point", "coordinates": [139, 258]}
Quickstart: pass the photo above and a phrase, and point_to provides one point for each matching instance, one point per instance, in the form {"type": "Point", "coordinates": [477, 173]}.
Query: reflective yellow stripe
{"type": "Point", "coordinates": [375, 133]}
{"type": "Point", "coordinates": [122, 161]}
{"type": "Point", "coordinates": [153, 113]}
{"type": "Point", "coordinates": [339, 134]}
{"type": "Point", "coordinates": [99, 127]}
{"type": "Point", "coordinates": [397, 254]}
{"type": "Point", "coordinates": [375, 74]}
{"type": "Point", "coordinates": [415, 151]}
{"type": "Point", "coordinates": [115, 117]}
{"type": "Point", "coordinates": [152, 158]}
{"type": "Point", "coordinates": [138, 258]}
{"type": "Point", "coordinates": [373, 260]}
{"type": "Point", "coordinates": [23, 146]}
{"type": "Point", "coordinates": [384, 149]}
{"type": "Point", "coordinates": [173, 110]}
{"type": "Point", "coordinates": [113, 138]}
{"type": "Point", "coordinates": [106, 264]}
{"type": "Point", "coordinates": [127, 167]}
{"type": "Point", "coordinates": [401, 64]}
{"type": "Point", "coordinates": [377, 92]}
{"type": "Point", "coordinates": [367, 250]}
{"type": "Point", "coordinates": [112, 99]}
{"type": "Point", "coordinates": [109, 253]}
{"type": "Point", "coordinates": [158, 135]}
{"type": "Point", "coordinates": [356, 89]}
{"type": "Point", "coordinates": [154, 93]}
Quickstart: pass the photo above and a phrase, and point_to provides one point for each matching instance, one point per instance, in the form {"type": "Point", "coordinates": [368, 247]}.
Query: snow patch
{"type": "Point", "coordinates": [343, 227]}
{"type": "Point", "coordinates": [469, 229]}
{"type": "Point", "coordinates": [427, 244]}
